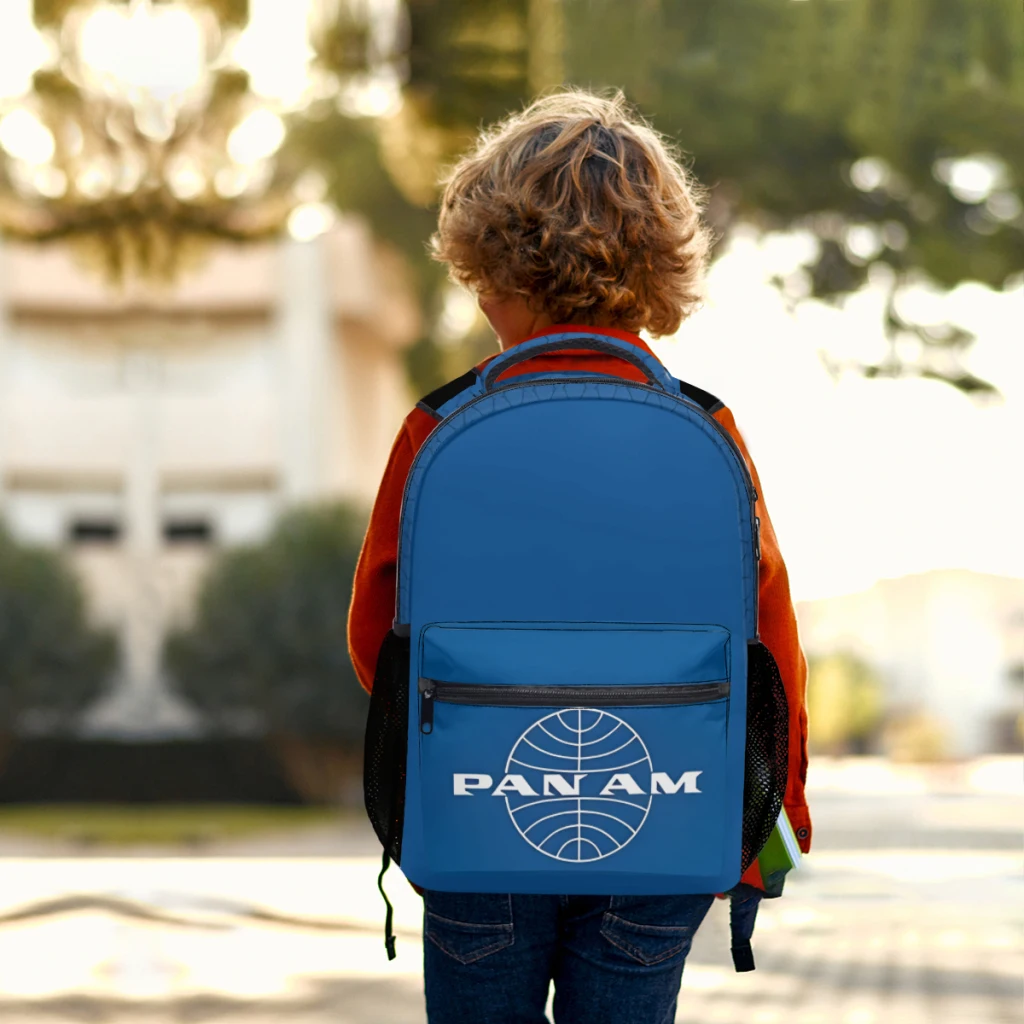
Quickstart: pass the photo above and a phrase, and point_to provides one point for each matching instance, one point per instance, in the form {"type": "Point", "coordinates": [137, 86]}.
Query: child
{"type": "Point", "coordinates": [572, 215]}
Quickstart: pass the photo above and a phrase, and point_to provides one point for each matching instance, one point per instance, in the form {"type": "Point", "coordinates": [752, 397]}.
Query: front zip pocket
{"type": "Point", "coordinates": [576, 746]}
{"type": "Point", "coordinates": [433, 690]}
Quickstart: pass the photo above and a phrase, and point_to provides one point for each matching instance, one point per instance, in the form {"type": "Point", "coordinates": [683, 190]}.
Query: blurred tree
{"type": "Point", "coordinates": [267, 647]}
{"type": "Point", "coordinates": [52, 663]}
{"type": "Point", "coordinates": [891, 129]}
{"type": "Point", "coordinates": [464, 63]}
{"type": "Point", "coordinates": [912, 734]}
{"type": "Point", "coordinates": [844, 704]}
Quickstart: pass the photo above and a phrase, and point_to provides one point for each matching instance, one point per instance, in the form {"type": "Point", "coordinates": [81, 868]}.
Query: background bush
{"type": "Point", "coordinates": [845, 704]}
{"type": "Point", "coordinates": [267, 648]}
{"type": "Point", "coordinates": [53, 664]}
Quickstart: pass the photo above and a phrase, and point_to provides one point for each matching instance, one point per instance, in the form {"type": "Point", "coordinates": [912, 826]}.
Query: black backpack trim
{"type": "Point", "coordinates": [766, 768]}
{"type": "Point", "coordinates": [385, 747]}
{"type": "Point", "coordinates": [446, 392]}
{"type": "Point", "coordinates": [384, 759]}
{"type": "Point", "coordinates": [704, 399]}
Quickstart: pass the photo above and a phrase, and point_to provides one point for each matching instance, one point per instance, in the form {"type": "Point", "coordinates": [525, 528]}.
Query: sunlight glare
{"type": "Point", "coordinates": [310, 220]}
{"type": "Point", "coordinates": [274, 50]}
{"type": "Point", "coordinates": [25, 137]}
{"type": "Point", "coordinates": [96, 179]}
{"type": "Point", "coordinates": [186, 179]}
{"type": "Point", "coordinates": [23, 51]}
{"type": "Point", "coordinates": [863, 242]}
{"type": "Point", "coordinates": [870, 173]}
{"type": "Point", "coordinates": [1004, 206]}
{"type": "Point", "coordinates": [159, 51]}
{"type": "Point", "coordinates": [852, 506]}
{"type": "Point", "coordinates": [971, 179]}
{"type": "Point", "coordinates": [49, 181]}
{"type": "Point", "coordinates": [231, 182]}
{"type": "Point", "coordinates": [256, 137]}
{"type": "Point", "coordinates": [458, 315]}
{"type": "Point", "coordinates": [377, 95]}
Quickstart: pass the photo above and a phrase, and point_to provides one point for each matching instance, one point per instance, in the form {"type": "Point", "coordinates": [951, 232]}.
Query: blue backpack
{"type": "Point", "coordinates": [573, 698]}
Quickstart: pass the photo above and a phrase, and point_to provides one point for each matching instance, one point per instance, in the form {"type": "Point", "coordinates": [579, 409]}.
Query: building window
{"type": "Point", "coordinates": [188, 531]}
{"type": "Point", "coordinates": [94, 530]}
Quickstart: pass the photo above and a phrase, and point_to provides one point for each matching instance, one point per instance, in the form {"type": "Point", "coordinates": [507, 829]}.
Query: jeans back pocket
{"type": "Point", "coordinates": [468, 926]}
{"type": "Point", "coordinates": [654, 931]}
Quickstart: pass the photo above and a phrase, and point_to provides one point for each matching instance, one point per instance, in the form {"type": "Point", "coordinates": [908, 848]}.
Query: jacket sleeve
{"type": "Point", "coordinates": [778, 628]}
{"type": "Point", "coordinates": [372, 608]}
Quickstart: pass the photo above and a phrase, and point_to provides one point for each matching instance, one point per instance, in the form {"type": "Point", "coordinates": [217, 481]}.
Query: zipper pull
{"type": "Point", "coordinates": [757, 535]}
{"type": "Point", "coordinates": [426, 705]}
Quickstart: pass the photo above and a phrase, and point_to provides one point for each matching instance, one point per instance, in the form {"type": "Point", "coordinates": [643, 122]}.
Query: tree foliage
{"type": "Point", "coordinates": [268, 636]}
{"type": "Point", "coordinates": [892, 129]}
{"type": "Point", "coordinates": [778, 100]}
{"type": "Point", "coordinates": [844, 703]}
{"type": "Point", "coordinates": [53, 664]}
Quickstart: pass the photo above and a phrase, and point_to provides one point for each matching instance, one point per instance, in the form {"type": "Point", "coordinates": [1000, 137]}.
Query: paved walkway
{"type": "Point", "coordinates": [924, 928]}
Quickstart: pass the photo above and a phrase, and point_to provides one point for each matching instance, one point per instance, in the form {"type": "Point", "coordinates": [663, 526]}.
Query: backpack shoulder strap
{"type": "Point", "coordinates": [699, 396]}
{"type": "Point", "coordinates": [441, 401]}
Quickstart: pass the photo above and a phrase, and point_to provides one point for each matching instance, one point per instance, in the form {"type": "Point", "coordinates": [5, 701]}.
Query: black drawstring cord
{"type": "Point", "coordinates": [389, 935]}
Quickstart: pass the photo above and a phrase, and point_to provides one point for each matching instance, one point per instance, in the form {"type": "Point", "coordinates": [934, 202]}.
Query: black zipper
{"type": "Point", "coordinates": [727, 437]}
{"type": "Point", "coordinates": [433, 690]}
{"type": "Point", "coordinates": [757, 573]}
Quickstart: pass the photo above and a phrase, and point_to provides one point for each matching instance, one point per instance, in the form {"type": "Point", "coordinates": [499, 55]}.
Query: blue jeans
{"type": "Point", "coordinates": [489, 959]}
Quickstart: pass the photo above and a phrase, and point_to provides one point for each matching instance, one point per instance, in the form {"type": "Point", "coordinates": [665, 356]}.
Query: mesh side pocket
{"type": "Point", "coordinates": [767, 756]}
{"type": "Point", "coordinates": [384, 752]}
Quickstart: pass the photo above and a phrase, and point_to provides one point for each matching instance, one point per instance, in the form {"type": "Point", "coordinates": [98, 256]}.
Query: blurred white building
{"type": "Point", "coordinates": [142, 431]}
{"type": "Point", "coordinates": [949, 642]}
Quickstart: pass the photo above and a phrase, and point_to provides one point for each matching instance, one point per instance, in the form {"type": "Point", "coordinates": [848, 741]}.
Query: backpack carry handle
{"type": "Point", "coordinates": [656, 374]}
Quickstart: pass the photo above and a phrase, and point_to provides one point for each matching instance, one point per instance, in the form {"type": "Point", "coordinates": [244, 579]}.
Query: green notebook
{"type": "Point", "coordinates": [780, 854]}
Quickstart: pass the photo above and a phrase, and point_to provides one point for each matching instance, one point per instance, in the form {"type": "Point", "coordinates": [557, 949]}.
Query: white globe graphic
{"type": "Point", "coordinates": [589, 827]}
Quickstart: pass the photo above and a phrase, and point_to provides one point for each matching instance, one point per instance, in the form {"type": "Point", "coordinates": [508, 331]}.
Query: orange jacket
{"type": "Point", "coordinates": [374, 589]}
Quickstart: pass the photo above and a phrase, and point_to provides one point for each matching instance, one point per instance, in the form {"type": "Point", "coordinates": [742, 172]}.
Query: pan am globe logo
{"type": "Point", "coordinates": [564, 756]}
{"type": "Point", "coordinates": [578, 784]}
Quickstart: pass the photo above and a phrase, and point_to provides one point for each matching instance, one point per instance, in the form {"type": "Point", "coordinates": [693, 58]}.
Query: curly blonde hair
{"type": "Point", "coordinates": [580, 207]}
